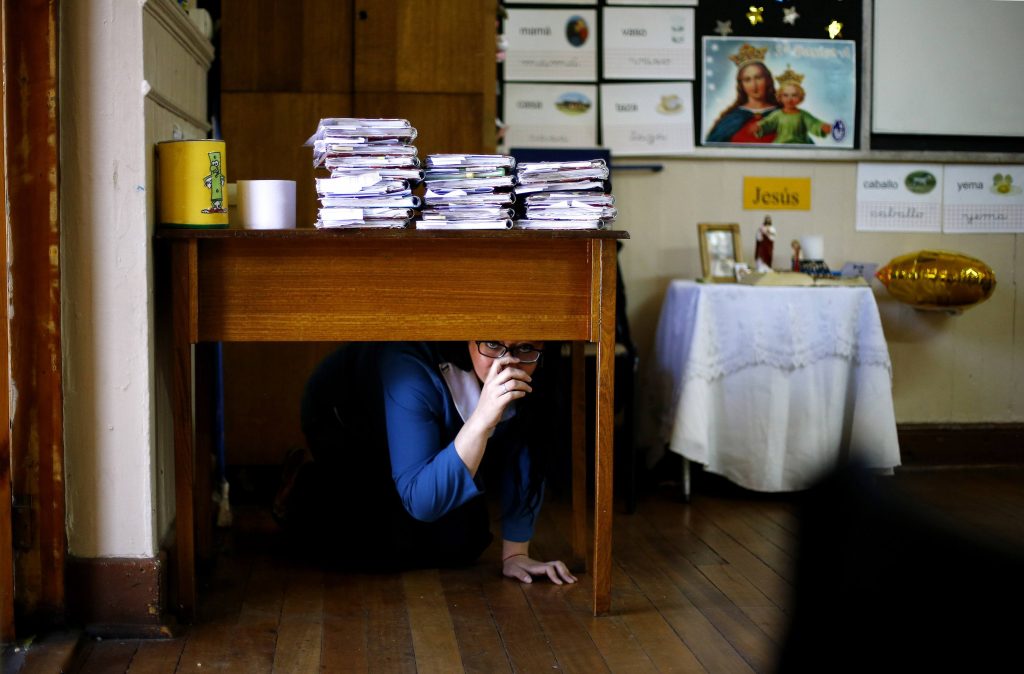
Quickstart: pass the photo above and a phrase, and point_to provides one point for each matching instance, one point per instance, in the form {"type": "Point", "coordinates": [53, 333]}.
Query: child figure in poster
{"type": "Point", "coordinates": [790, 124]}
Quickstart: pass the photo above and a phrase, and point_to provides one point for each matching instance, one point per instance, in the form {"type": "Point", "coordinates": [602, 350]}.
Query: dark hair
{"type": "Point", "coordinates": [456, 353]}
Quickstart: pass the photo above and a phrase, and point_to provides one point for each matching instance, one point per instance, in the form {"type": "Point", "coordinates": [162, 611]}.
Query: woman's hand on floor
{"type": "Point", "coordinates": [523, 568]}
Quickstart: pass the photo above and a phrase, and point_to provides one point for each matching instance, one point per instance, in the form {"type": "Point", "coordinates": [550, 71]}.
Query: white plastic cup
{"type": "Point", "coordinates": [812, 248]}
{"type": "Point", "coordinates": [266, 204]}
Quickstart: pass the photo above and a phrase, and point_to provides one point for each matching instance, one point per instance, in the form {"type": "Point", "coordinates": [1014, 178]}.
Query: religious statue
{"type": "Point", "coordinates": [795, 262]}
{"type": "Point", "coordinates": [765, 245]}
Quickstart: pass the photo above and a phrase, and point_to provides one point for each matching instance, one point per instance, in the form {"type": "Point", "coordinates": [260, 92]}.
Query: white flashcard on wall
{"type": "Point", "coordinates": [899, 197]}
{"type": "Point", "coordinates": [661, 3]}
{"type": "Point", "coordinates": [550, 115]}
{"type": "Point", "coordinates": [551, 2]}
{"type": "Point", "coordinates": [983, 199]}
{"type": "Point", "coordinates": [648, 43]}
{"type": "Point", "coordinates": [647, 119]}
{"type": "Point", "coordinates": [551, 45]}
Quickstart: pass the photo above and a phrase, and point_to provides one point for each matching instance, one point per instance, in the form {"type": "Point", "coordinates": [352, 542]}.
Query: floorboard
{"type": "Point", "coordinates": [699, 587]}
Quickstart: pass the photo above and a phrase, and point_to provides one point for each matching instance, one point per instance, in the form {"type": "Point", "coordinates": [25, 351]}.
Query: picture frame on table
{"type": "Point", "coordinates": [719, 251]}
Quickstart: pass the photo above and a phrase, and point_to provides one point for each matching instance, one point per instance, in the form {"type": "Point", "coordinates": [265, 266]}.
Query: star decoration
{"type": "Point", "coordinates": [835, 29]}
{"type": "Point", "coordinates": [790, 15]}
{"type": "Point", "coordinates": [724, 27]}
{"type": "Point", "coordinates": [754, 15]}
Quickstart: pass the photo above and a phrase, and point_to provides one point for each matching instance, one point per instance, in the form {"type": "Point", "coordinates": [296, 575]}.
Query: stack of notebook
{"type": "Point", "coordinates": [564, 195]}
{"type": "Point", "coordinates": [373, 168]}
{"type": "Point", "coordinates": [468, 191]}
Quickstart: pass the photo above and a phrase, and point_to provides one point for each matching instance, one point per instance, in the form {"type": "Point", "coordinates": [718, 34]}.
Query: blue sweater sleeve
{"type": "Point", "coordinates": [422, 424]}
{"type": "Point", "coordinates": [518, 517]}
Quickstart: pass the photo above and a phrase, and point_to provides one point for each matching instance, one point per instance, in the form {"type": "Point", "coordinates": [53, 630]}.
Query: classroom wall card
{"type": "Point", "coordinates": [899, 197]}
{"type": "Point", "coordinates": [649, 43]}
{"type": "Point", "coordinates": [551, 45]}
{"type": "Point", "coordinates": [647, 119]}
{"type": "Point", "coordinates": [550, 115]}
{"type": "Point", "coordinates": [983, 199]}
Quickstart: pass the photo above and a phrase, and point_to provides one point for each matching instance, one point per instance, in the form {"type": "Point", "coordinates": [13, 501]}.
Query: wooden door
{"type": "Point", "coordinates": [33, 550]}
{"type": "Point", "coordinates": [6, 521]}
{"type": "Point", "coordinates": [284, 65]}
{"type": "Point", "coordinates": [433, 64]}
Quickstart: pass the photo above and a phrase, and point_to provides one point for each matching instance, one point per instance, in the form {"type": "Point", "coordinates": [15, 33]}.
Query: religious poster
{"type": "Point", "coordinates": [648, 43]}
{"type": "Point", "coordinates": [551, 45]}
{"type": "Point", "coordinates": [550, 115]}
{"type": "Point", "coordinates": [983, 199]}
{"type": "Point", "coordinates": [647, 119]}
{"type": "Point", "coordinates": [899, 197]}
{"type": "Point", "coordinates": [765, 92]}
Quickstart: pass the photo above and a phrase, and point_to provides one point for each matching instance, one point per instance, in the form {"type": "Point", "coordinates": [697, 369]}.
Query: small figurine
{"type": "Point", "coordinates": [765, 245]}
{"type": "Point", "coordinates": [795, 264]}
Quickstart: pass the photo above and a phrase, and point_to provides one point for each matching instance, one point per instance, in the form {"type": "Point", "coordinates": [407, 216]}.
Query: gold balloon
{"type": "Point", "coordinates": [938, 280]}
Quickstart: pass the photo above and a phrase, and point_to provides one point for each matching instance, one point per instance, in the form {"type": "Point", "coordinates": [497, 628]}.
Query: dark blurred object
{"type": "Point", "coordinates": [884, 585]}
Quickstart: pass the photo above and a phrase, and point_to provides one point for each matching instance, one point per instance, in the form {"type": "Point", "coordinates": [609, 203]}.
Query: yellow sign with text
{"type": "Point", "coordinates": [778, 194]}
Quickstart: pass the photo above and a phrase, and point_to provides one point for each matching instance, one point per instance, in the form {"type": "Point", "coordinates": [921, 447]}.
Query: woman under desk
{"type": "Point", "coordinates": [403, 438]}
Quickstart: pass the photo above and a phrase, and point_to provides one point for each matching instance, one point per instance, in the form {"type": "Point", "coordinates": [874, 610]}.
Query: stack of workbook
{"type": "Point", "coordinates": [564, 195]}
{"type": "Point", "coordinates": [468, 191]}
{"type": "Point", "coordinates": [373, 168]}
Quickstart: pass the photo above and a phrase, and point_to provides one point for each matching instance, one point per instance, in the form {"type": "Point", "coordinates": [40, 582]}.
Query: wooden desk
{"type": "Point", "coordinates": [381, 285]}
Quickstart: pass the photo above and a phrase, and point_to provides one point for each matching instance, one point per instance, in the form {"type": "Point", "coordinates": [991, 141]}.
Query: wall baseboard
{"type": "Point", "coordinates": [119, 596]}
{"type": "Point", "coordinates": [936, 445]}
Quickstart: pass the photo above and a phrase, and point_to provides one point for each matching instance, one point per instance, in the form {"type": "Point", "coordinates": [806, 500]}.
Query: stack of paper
{"type": "Point", "coordinates": [373, 169]}
{"type": "Point", "coordinates": [468, 191]}
{"type": "Point", "coordinates": [565, 195]}
{"type": "Point", "coordinates": [569, 210]}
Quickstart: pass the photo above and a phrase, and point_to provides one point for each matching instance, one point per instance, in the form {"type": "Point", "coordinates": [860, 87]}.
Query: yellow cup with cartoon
{"type": "Point", "coordinates": [192, 184]}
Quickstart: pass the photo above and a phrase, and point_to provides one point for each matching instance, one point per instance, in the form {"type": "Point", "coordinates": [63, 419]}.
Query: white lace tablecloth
{"type": "Point", "coordinates": [770, 387]}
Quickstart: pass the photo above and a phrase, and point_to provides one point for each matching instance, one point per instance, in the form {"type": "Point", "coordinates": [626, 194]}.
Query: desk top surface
{"type": "Point", "coordinates": [308, 233]}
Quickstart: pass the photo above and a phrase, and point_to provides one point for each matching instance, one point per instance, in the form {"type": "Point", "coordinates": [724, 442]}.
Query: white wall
{"type": "Point", "coordinates": [967, 368]}
{"type": "Point", "coordinates": [106, 282]}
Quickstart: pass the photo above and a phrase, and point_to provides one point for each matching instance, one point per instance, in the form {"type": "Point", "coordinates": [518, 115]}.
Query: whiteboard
{"type": "Point", "coordinates": [948, 67]}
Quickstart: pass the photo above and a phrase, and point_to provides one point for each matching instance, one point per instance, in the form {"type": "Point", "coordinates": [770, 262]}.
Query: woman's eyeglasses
{"type": "Point", "coordinates": [526, 353]}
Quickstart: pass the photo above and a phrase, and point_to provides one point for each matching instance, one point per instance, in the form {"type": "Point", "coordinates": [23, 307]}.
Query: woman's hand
{"type": "Point", "coordinates": [505, 382]}
{"type": "Point", "coordinates": [523, 568]}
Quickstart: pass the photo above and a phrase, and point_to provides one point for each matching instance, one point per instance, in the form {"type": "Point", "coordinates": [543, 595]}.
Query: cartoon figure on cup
{"type": "Point", "coordinates": [215, 183]}
{"type": "Point", "coordinates": [755, 99]}
{"type": "Point", "coordinates": [404, 437]}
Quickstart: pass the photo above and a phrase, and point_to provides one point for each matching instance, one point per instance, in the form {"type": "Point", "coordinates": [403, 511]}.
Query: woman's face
{"type": "Point", "coordinates": [754, 81]}
{"type": "Point", "coordinates": [482, 364]}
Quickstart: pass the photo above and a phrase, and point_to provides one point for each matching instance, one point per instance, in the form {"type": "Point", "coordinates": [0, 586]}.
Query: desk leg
{"type": "Point", "coordinates": [183, 267]}
{"type": "Point", "coordinates": [579, 460]}
{"type": "Point", "coordinates": [605, 427]}
{"type": "Point", "coordinates": [202, 482]}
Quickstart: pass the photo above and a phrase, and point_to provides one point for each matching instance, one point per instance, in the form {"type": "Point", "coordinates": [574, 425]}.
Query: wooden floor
{"type": "Point", "coordinates": [699, 587]}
